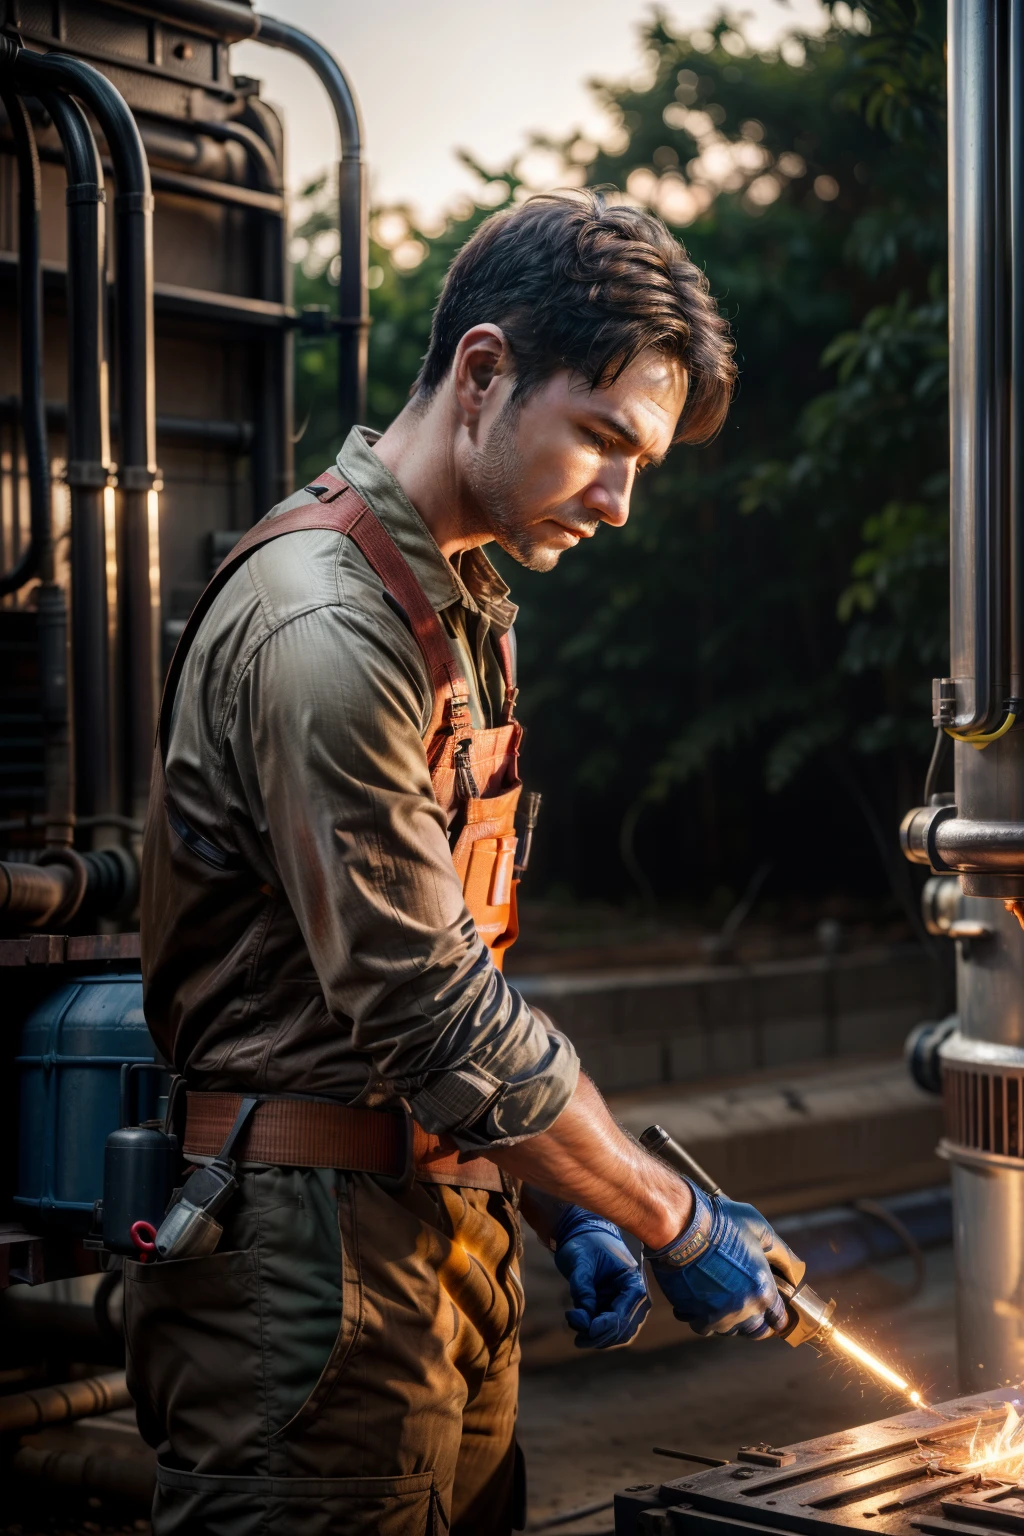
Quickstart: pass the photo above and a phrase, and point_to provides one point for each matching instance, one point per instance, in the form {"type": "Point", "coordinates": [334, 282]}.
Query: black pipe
{"type": "Point", "coordinates": [129, 1481]}
{"type": "Point", "coordinates": [65, 885]}
{"type": "Point", "coordinates": [193, 431]}
{"type": "Point", "coordinates": [257, 150]}
{"type": "Point", "coordinates": [352, 320]}
{"type": "Point", "coordinates": [88, 470]}
{"type": "Point", "coordinates": [138, 551]}
{"type": "Point", "coordinates": [37, 559]}
{"type": "Point", "coordinates": [229, 20]}
{"type": "Point", "coordinates": [1015, 153]}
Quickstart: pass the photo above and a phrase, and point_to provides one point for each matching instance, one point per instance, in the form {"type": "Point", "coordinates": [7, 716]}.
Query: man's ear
{"type": "Point", "coordinates": [481, 357]}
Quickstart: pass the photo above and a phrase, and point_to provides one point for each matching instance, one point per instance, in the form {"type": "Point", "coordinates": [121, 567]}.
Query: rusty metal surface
{"type": "Point", "coordinates": [63, 949]}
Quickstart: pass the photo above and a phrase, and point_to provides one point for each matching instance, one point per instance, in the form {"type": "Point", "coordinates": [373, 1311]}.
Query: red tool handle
{"type": "Point", "coordinates": [143, 1234]}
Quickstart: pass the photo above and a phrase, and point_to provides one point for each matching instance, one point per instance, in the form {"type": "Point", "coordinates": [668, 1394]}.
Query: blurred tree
{"type": "Point", "coordinates": [743, 671]}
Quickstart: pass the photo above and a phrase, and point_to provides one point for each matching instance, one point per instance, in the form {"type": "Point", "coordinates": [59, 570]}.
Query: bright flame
{"type": "Point", "coordinates": [1006, 1445]}
{"type": "Point", "coordinates": [872, 1363]}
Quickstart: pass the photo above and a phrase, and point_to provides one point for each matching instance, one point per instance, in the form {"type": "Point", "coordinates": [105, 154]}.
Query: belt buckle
{"type": "Point", "coordinates": [404, 1182]}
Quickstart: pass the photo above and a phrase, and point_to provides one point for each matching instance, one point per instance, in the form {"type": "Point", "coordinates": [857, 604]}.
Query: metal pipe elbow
{"type": "Point", "coordinates": [65, 884]}
{"type": "Point", "coordinates": [47, 894]}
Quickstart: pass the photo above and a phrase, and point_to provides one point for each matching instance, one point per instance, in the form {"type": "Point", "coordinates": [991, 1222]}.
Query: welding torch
{"type": "Point", "coordinates": [810, 1316]}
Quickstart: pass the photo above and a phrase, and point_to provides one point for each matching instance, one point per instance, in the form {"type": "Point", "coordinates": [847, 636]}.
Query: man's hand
{"type": "Point", "coordinates": [607, 1285]}
{"type": "Point", "coordinates": [718, 1273]}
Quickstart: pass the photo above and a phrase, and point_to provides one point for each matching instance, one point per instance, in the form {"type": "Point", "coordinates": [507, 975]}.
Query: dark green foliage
{"type": "Point", "coordinates": [746, 666]}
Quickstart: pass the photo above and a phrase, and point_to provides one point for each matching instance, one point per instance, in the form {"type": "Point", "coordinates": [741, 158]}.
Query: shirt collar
{"type": "Point", "coordinates": [471, 580]}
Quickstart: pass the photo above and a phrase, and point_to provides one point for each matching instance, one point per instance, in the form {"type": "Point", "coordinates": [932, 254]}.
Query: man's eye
{"type": "Point", "coordinates": [599, 441]}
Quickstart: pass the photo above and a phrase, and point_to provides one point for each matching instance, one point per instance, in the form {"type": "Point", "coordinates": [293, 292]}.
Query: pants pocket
{"type": "Point", "coordinates": [192, 1330]}
{"type": "Point", "coordinates": [191, 1504]}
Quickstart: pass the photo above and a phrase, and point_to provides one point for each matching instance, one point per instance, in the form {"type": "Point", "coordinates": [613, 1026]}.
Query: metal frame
{"type": "Point", "coordinates": [37, 559]}
{"type": "Point", "coordinates": [236, 23]}
{"type": "Point", "coordinates": [138, 554]}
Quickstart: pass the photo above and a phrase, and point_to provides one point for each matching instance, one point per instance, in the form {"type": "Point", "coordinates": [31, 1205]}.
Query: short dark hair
{"type": "Point", "coordinates": [575, 282]}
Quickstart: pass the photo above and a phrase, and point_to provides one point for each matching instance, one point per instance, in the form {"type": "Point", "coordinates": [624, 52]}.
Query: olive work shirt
{"type": "Point", "coordinates": [335, 956]}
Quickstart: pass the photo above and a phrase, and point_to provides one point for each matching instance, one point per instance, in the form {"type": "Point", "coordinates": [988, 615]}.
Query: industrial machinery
{"type": "Point", "coordinates": [972, 834]}
{"type": "Point", "coordinates": [146, 338]}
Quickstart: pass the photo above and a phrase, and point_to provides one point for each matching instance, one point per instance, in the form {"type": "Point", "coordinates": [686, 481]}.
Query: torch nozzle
{"type": "Point", "coordinates": [810, 1315]}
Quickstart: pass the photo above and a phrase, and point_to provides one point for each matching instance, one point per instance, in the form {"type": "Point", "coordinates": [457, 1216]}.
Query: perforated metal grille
{"type": "Point", "coordinates": [985, 1110]}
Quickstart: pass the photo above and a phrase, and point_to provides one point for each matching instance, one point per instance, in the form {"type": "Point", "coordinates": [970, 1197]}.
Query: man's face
{"type": "Point", "coordinates": [547, 472]}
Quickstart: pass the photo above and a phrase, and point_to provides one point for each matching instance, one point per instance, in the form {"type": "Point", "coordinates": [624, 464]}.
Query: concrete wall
{"type": "Point", "coordinates": [635, 1029]}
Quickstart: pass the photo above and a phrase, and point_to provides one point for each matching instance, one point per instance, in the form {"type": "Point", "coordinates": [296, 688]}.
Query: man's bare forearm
{"type": "Point", "coordinates": [585, 1158]}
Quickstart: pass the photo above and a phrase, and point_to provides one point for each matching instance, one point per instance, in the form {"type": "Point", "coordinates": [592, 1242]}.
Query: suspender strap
{"type": "Point", "coordinates": [344, 512]}
{"type": "Point", "coordinates": [508, 672]}
{"type": "Point", "coordinates": [382, 553]}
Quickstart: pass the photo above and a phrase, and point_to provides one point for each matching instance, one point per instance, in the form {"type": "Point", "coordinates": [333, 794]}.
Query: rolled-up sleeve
{"type": "Point", "coordinates": [325, 731]}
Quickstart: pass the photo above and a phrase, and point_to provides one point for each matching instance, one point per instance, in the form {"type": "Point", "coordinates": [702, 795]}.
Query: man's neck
{"type": "Point", "coordinates": [418, 450]}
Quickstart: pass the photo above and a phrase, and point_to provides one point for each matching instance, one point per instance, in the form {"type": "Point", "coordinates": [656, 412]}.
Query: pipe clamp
{"type": "Point", "coordinates": [87, 473]}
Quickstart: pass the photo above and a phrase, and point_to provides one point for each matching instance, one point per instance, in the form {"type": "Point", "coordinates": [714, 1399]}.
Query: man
{"type": "Point", "coordinates": [329, 887]}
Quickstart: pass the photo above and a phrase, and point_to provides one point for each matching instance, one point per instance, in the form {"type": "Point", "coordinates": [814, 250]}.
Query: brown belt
{"type": "Point", "coordinates": [314, 1133]}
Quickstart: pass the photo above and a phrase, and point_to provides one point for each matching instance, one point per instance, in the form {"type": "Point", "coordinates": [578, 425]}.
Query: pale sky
{"type": "Point", "coordinates": [436, 75]}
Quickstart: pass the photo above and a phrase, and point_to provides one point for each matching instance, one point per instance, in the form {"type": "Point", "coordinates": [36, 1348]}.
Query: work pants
{"type": "Point", "coordinates": [346, 1363]}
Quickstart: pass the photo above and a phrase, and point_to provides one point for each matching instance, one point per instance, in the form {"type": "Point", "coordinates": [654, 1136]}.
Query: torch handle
{"type": "Point", "coordinates": [810, 1316]}
{"type": "Point", "coordinates": [657, 1140]}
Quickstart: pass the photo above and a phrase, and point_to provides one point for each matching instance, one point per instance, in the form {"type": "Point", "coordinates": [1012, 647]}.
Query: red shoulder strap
{"type": "Point", "coordinates": [343, 511]}
{"type": "Point", "coordinates": [384, 556]}
{"type": "Point", "coordinates": [508, 673]}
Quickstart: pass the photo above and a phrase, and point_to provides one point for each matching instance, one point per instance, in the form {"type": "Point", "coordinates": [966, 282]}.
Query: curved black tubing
{"type": "Point", "coordinates": [353, 311]}
{"type": "Point", "coordinates": [88, 454]}
{"type": "Point", "coordinates": [138, 559]}
{"type": "Point", "coordinates": [234, 22]}
{"type": "Point", "coordinates": [37, 558]}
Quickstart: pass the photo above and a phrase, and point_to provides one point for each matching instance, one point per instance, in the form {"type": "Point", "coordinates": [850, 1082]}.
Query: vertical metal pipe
{"type": "Point", "coordinates": [1015, 151]}
{"type": "Point", "coordinates": [986, 213]}
{"type": "Point", "coordinates": [88, 471]}
{"type": "Point", "coordinates": [978, 640]}
{"type": "Point", "coordinates": [273, 455]}
{"type": "Point", "coordinates": [138, 548]}
{"type": "Point", "coordinates": [353, 306]}
{"type": "Point", "coordinates": [37, 558]}
{"type": "Point", "coordinates": [139, 558]}
{"type": "Point", "coordinates": [50, 602]}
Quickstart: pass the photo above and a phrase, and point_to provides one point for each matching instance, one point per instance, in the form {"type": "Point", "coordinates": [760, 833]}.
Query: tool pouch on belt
{"type": "Point", "coordinates": [190, 1228]}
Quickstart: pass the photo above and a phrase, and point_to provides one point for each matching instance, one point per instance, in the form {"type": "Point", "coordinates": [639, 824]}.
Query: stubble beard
{"type": "Point", "coordinates": [497, 473]}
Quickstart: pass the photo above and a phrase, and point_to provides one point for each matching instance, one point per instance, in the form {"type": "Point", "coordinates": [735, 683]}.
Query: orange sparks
{"type": "Point", "coordinates": [872, 1363]}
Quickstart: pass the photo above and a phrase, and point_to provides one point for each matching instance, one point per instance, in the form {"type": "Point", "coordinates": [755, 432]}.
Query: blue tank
{"type": "Point", "coordinates": [73, 1047]}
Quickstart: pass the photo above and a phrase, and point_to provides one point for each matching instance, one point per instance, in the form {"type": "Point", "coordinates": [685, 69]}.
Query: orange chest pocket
{"type": "Point", "coordinates": [484, 857]}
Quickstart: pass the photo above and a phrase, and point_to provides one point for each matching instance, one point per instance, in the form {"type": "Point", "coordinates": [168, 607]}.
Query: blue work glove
{"type": "Point", "coordinates": [607, 1285]}
{"type": "Point", "coordinates": [718, 1273]}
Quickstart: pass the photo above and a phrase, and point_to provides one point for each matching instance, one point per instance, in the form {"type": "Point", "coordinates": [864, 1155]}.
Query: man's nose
{"type": "Point", "coordinates": [609, 498]}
